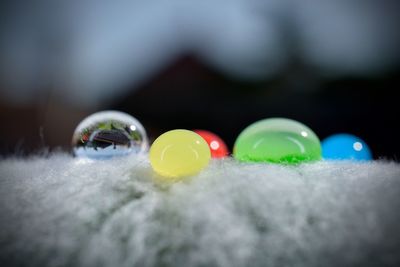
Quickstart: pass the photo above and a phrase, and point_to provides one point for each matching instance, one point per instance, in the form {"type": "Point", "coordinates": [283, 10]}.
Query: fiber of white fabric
{"type": "Point", "coordinates": [63, 211]}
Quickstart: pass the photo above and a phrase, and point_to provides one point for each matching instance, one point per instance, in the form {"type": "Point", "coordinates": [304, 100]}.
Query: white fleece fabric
{"type": "Point", "coordinates": [63, 211]}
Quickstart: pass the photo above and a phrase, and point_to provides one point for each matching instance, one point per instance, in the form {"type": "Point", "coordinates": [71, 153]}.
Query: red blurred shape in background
{"type": "Point", "coordinates": [217, 146]}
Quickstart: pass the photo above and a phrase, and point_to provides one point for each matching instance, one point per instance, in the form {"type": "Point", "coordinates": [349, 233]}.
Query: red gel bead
{"type": "Point", "coordinates": [218, 147]}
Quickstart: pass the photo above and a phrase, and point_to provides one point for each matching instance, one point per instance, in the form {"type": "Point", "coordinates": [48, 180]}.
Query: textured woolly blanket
{"type": "Point", "coordinates": [62, 211]}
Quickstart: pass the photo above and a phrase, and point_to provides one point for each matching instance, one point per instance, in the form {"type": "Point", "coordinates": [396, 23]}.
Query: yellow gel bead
{"type": "Point", "coordinates": [179, 153]}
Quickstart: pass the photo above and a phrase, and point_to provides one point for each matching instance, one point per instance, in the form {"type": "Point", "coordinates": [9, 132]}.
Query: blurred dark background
{"type": "Point", "coordinates": [217, 65]}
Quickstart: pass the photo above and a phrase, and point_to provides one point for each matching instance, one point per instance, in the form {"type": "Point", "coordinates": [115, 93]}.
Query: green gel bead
{"type": "Point", "coordinates": [278, 141]}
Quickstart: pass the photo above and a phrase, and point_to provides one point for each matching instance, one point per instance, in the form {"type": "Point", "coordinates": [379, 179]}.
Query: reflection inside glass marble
{"type": "Point", "coordinates": [108, 134]}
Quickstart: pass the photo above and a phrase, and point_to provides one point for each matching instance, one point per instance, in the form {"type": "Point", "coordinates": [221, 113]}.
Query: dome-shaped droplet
{"type": "Point", "coordinates": [218, 148]}
{"type": "Point", "coordinates": [277, 140]}
{"type": "Point", "coordinates": [108, 134]}
{"type": "Point", "coordinates": [345, 147]}
{"type": "Point", "coordinates": [179, 153]}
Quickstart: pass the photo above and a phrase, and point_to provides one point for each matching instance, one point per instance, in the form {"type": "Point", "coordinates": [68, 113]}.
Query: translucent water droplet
{"type": "Point", "coordinates": [345, 147]}
{"type": "Point", "coordinates": [108, 134]}
{"type": "Point", "coordinates": [277, 140]}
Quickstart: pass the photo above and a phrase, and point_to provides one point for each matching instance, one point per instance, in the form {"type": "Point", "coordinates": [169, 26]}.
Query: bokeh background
{"type": "Point", "coordinates": [217, 65]}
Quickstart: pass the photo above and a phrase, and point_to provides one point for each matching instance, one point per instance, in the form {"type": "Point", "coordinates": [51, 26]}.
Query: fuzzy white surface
{"type": "Point", "coordinates": [61, 211]}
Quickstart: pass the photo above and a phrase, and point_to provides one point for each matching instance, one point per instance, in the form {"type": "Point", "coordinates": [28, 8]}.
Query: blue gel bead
{"type": "Point", "coordinates": [345, 147]}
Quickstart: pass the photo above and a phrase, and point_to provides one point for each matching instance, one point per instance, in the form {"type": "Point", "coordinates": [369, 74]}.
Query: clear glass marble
{"type": "Point", "coordinates": [108, 134]}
